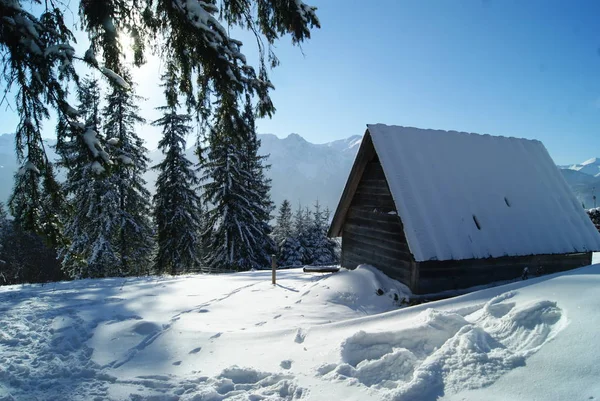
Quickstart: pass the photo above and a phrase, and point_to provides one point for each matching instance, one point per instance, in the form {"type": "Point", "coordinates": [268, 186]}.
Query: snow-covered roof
{"type": "Point", "coordinates": [465, 196]}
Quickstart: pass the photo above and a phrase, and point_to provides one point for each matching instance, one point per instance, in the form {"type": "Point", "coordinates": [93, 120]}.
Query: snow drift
{"type": "Point", "coordinates": [310, 337]}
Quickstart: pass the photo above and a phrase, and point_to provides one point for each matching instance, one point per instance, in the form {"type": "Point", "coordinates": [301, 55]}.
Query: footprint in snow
{"type": "Point", "coordinates": [216, 335]}
{"type": "Point", "coordinates": [300, 336]}
{"type": "Point", "coordinates": [276, 317]}
{"type": "Point", "coordinates": [195, 350]}
{"type": "Point", "coordinates": [286, 364]}
{"type": "Point", "coordinates": [260, 323]}
{"type": "Point", "coordinates": [176, 363]}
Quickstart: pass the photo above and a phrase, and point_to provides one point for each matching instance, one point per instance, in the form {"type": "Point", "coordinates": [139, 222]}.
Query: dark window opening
{"type": "Point", "coordinates": [506, 201]}
{"type": "Point", "coordinates": [476, 222]}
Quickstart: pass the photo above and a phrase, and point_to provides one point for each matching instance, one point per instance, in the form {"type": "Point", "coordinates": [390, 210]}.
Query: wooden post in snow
{"type": "Point", "coordinates": [273, 269]}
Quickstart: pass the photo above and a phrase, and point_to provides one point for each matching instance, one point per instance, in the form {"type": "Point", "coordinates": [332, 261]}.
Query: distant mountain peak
{"type": "Point", "coordinates": [589, 167]}
{"type": "Point", "coordinates": [593, 160]}
{"type": "Point", "coordinates": [295, 137]}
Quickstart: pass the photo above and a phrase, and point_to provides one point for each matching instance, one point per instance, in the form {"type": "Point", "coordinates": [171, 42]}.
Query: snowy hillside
{"type": "Point", "coordinates": [311, 337]}
{"type": "Point", "coordinates": [584, 180]}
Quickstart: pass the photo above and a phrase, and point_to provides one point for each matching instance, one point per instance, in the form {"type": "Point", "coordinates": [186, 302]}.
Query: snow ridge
{"type": "Point", "coordinates": [447, 353]}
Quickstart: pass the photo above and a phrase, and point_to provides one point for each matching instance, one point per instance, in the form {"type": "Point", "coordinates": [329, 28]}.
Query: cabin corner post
{"type": "Point", "coordinates": [414, 277]}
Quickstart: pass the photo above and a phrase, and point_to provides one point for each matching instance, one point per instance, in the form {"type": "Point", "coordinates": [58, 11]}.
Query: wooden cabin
{"type": "Point", "coordinates": [442, 210]}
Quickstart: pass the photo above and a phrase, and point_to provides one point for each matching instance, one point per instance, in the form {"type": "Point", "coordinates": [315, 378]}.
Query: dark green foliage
{"type": "Point", "coordinates": [289, 250]}
{"type": "Point", "coordinates": [322, 248]}
{"type": "Point", "coordinates": [24, 256]}
{"type": "Point", "coordinates": [177, 206]}
{"type": "Point", "coordinates": [133, 241]}
{"type": "Point", "coordinates": [91, 224]}
{"type": "Point", "coordinates": [237, 194]}
{"type": "Point", "coordinates": [283, 223]}
{"type": "Point", "coordinates": [310, 232]}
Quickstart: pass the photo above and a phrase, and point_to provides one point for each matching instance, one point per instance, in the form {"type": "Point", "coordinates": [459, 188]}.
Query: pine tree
{"type": "Point", "coordinates": [177, 206]}
{"type": "Point", "coordinates": [260, 187]}
{"type": "Point", "coordinates": [283, 223]}
{"type": "Point", "coordinates": [301, 225]}
{"type": "Point", "coordinates": [289, 253]}
{"type": "Point", "coordinates": [134, 239]}
{"type": "Point", "coordinates": [37, 200]}
{"type": "Point", "coordinates": [238, 218]}
{"type": "Point", "coordinates": [322, 247]}
{"type": "Point", "coordinates": [93, 224]}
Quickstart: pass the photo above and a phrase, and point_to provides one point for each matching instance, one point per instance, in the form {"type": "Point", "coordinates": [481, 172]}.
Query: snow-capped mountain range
{"type": "Point", "coordinates": [304, 172]}
{"type": "Point", "coordinates": [590, 167]}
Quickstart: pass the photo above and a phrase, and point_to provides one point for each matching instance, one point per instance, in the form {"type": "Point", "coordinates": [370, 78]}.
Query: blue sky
{"type": "Point", "coordinates": [517, 68]}
{"type": "Point", "coordinates": [520, 68]}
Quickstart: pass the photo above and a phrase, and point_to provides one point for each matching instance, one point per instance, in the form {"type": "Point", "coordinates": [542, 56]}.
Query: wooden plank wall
{"type": "Point", "coordinates": [373, 231]}
{"type": "Point", "coordinates": [436, 276]}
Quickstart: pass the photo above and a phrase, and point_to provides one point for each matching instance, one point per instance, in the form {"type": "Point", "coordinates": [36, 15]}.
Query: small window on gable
{"type": "Point", "coordinates": [476, 222]}
{"type": "Point", "coordinates": [506, 201]}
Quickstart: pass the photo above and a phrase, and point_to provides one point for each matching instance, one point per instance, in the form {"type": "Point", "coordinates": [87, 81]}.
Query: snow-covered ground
{"type": "Point", "coordinates": [311, 337]}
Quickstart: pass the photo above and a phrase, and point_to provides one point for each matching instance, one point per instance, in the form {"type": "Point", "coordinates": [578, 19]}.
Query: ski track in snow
{"type": "Point", "coordinates": [45, 352]}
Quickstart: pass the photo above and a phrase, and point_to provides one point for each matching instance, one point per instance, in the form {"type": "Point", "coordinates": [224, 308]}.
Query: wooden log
{"type": "Point", "coordinates": [380, 228]}
{"type": "Point", "coordinates": [321, 269]}
{"type": "Point", "coordinates": [396, 242]}
{"type": "Point", "coordinates": [374, 184]}
{"type": "Point", "coordinates": [374, 215]}
{"type": "Point", "coordinates": [435, 276]}
{"type": "Point", "coordinates": [365, 201]}
{"type": "Point", "coordinates": [377, 260]}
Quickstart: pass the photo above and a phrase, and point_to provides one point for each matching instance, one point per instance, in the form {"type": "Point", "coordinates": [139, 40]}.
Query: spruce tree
{"type": "Point", "coordinates": [177, 206]}
{"type": "Point", "coordinates": [301, 234]}
{"type": "Point", "coordinates": [322, 247]}
{"type": "Point", "coordinates": [93, 223]}
{"type": "Point", "coordinates": [121, 117]}
{"type": "Point", "coordinates": [289, 253]}
{"type": "Point", "coordinates": [238, 215]}
{"type": "Point", "coordinates": [37, 200]}
{"type": "Point", "coordinates": [260, 187]}
{"type": "Point", "coordinates": [283, 223]}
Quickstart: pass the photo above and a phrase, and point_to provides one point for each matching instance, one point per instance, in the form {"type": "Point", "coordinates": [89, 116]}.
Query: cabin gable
{"type": "Point", "coordinates": [372, 230]}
